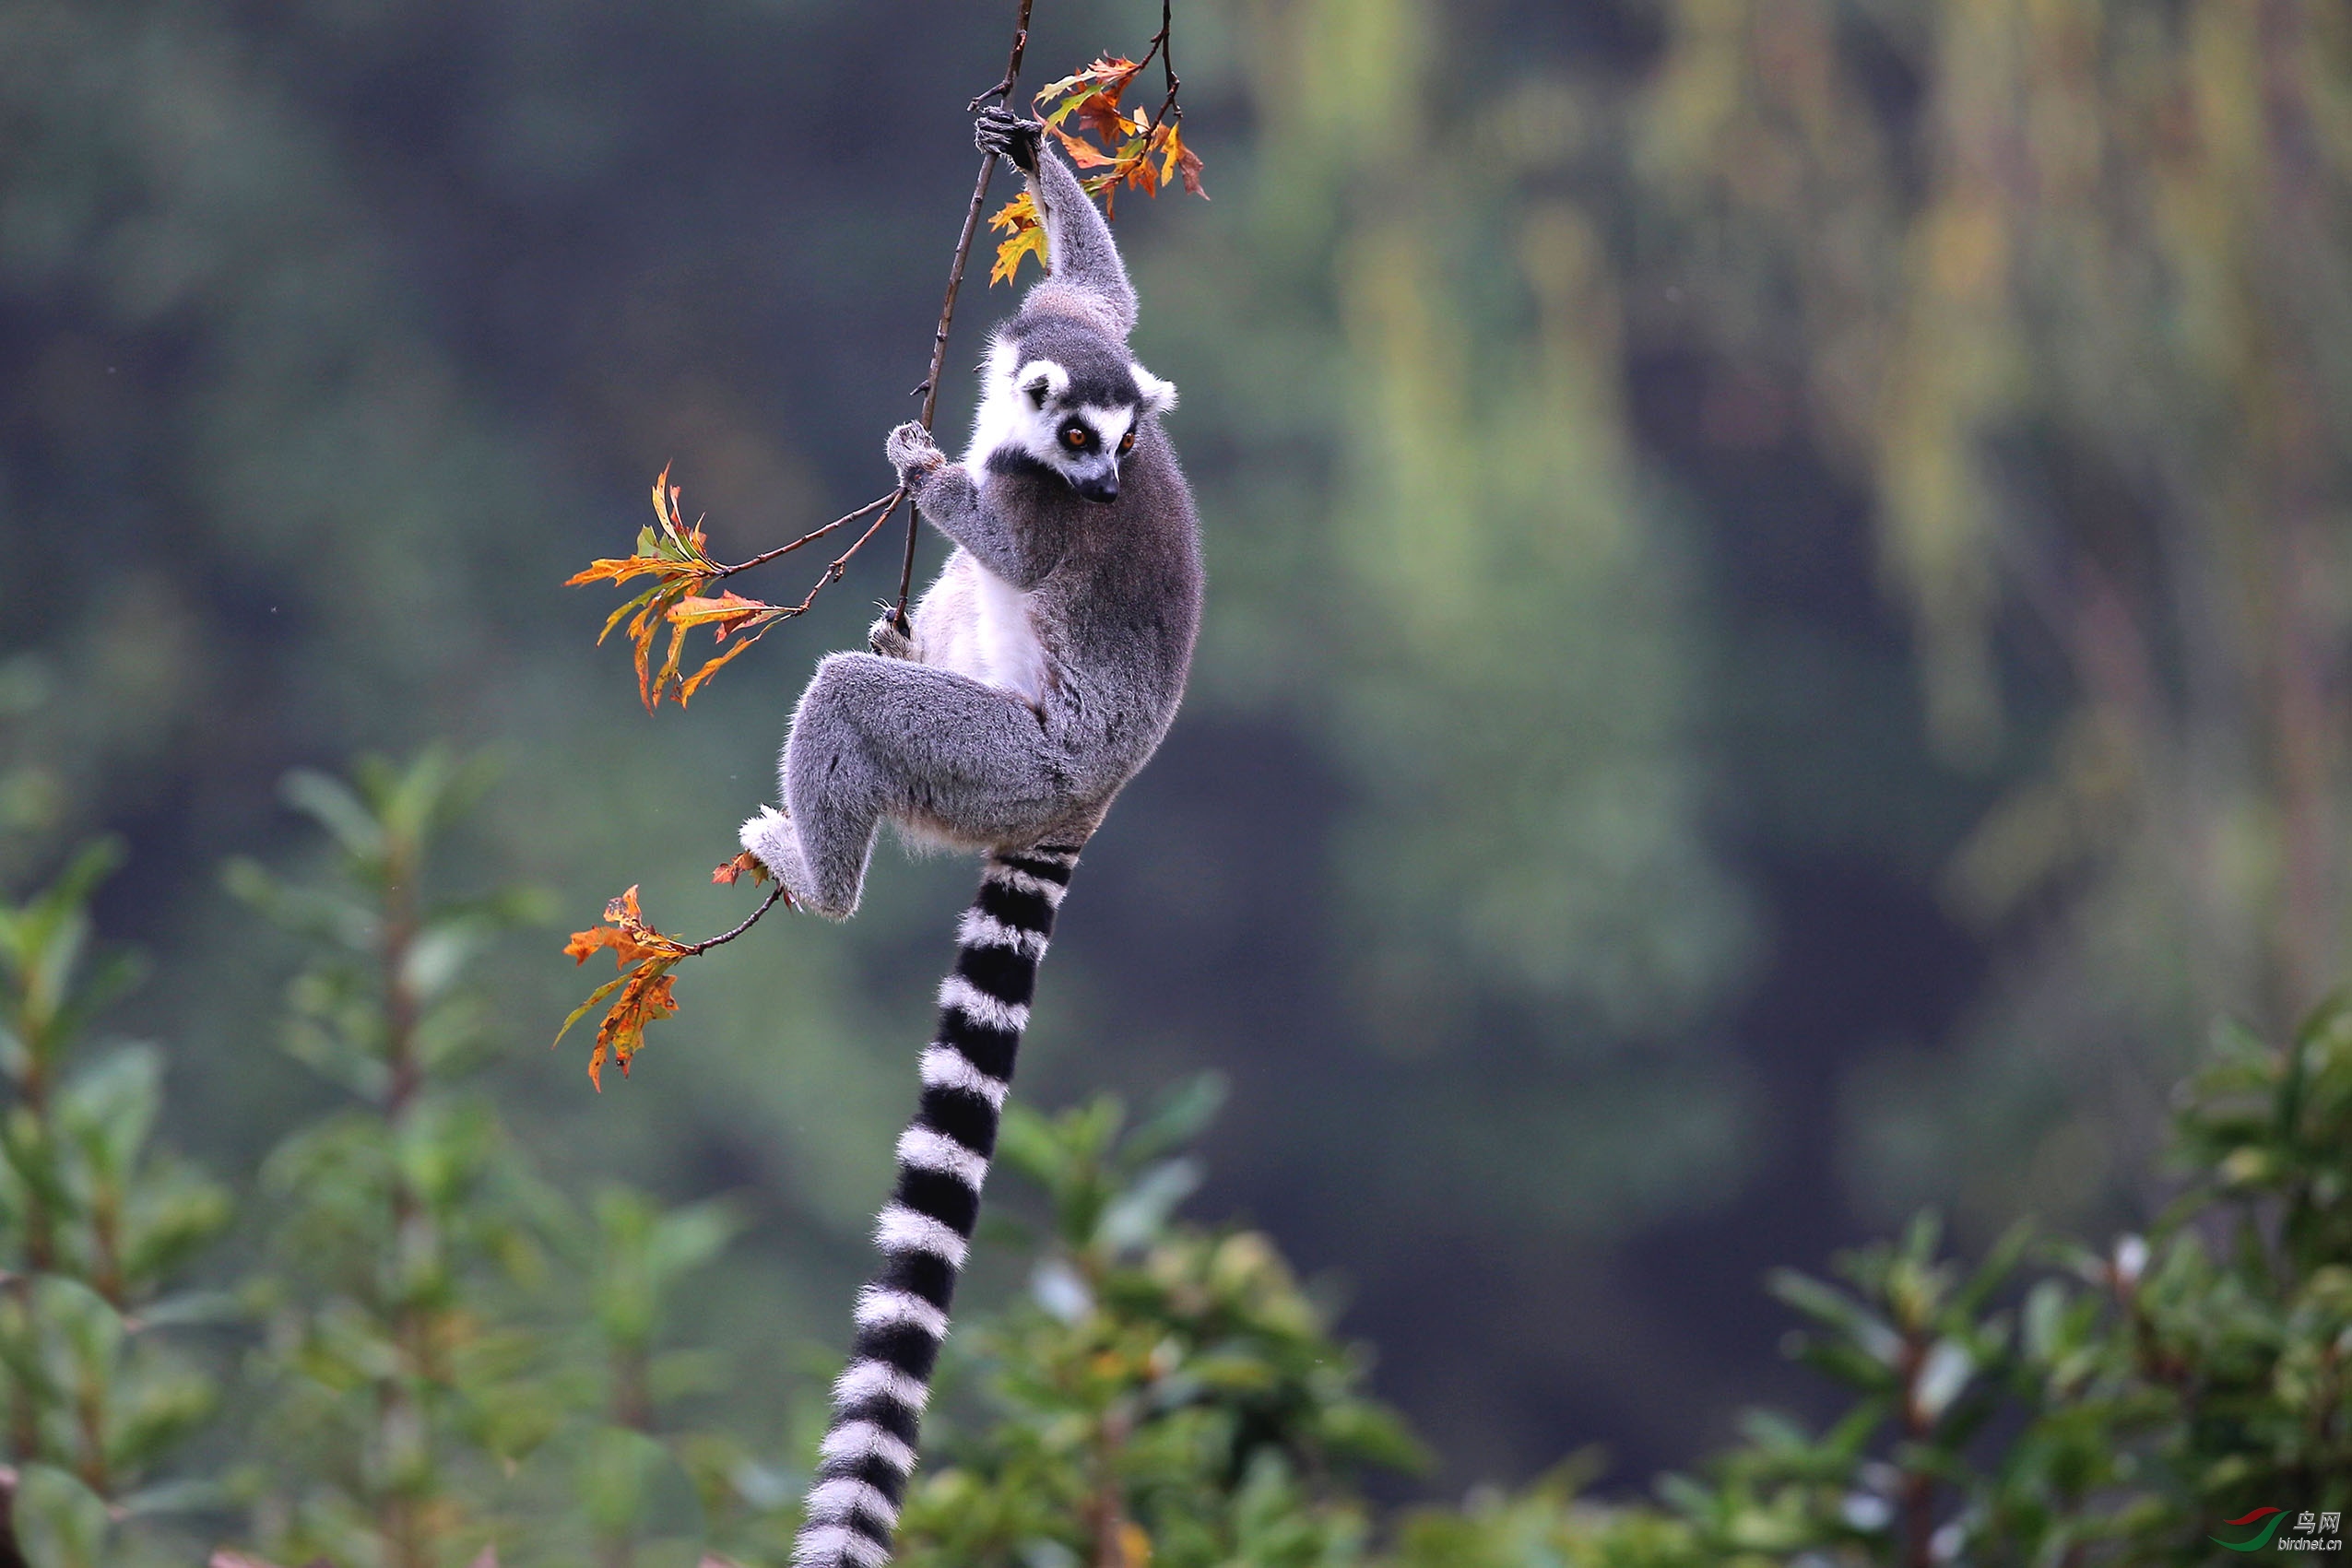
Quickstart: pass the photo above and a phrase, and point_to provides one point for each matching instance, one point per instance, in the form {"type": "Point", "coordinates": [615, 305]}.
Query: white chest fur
{"type": "Point", "coordinates": [976, 623]}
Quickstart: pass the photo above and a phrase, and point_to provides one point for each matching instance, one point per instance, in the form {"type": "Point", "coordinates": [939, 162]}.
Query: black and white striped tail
{"type": "Point", "coordinates": [925, 1230]}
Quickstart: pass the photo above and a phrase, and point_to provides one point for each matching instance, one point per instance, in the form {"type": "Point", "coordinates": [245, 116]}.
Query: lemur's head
{"type": "Point", "coordinates": [1066, 397]}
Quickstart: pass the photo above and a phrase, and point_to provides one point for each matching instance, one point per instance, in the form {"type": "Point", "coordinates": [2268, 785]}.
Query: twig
{"type": "Point", "coordinates": [1167, 51]}
{"type": "Point", "coordinates": [1003, 93]}
{"type": "Point", "coordinates": [832, 572]}
{"type": "Point", "coordinates": [777, 616]}
{"type": "Point", "coordinates": [749, 921]}
{"type": "Point", "coordinates": [812, 535]}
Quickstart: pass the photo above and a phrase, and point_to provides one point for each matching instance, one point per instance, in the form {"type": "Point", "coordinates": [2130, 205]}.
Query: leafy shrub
{"type": "Point", "coordinates": [96, 1225]}
{"type": "Point", "coordinates": [1163, 1394]}
{"type": "Point", "coordinates": [464, 1361]}
{"type": "Point", "coordinates": [1169, 1396]}
{"type": "Point", "coordinates": [2057, 1404]}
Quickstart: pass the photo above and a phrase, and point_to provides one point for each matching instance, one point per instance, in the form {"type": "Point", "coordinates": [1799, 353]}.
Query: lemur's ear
{"type": "Point", "coordinates": [1159, 396]}
{"type": "Point", "coordinates": [1043, 379]}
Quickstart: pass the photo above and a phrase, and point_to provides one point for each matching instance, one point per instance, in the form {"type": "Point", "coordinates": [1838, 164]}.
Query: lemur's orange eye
{"type": "Point", "coordinates": [1127, 442]}
{"type": "Point", "coordinates": [1075, 436]}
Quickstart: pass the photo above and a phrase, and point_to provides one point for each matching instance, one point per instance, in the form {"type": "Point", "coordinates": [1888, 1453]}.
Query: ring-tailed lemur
{"type": "Point", "coordinates": [1041, 671]}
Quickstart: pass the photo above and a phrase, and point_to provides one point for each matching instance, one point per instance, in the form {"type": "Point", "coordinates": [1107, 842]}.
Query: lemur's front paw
{"type": "Point", "coordinates": [1001, 132]}
{"type": "Point", "coordinates": [911, 452]}
{"type": "Point", "coordinates": [888, 639]}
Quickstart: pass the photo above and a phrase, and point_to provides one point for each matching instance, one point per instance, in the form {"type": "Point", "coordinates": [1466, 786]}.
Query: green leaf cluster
{"type": "Point", "coordinates": [96, 1224]}
{"type": "Point", "coordinates": [1169, 1395]}
{"type": "Point", "coordinates": [461, 1357]}
{"type": "Point", "coordinates": [1162, 1392]}
{"type": "Point", "coordinates": [462, 1363]}
{"type": "Point", "coordinates": [2054, 1404]}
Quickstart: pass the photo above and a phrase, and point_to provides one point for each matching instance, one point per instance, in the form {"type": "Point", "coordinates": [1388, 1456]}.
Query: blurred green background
{"type": "Point", "coordinates": [1777, 647]}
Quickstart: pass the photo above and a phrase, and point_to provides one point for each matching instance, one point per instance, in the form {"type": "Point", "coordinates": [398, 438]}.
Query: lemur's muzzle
{"type": "Point", "coordinates": [1101, 489]}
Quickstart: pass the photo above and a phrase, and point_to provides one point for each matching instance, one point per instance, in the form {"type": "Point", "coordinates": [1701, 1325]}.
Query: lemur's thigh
{"type": "Point", "coordinates": [876, 737]}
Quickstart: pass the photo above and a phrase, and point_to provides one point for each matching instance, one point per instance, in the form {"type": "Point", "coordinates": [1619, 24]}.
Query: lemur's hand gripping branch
{"type": "Point", "coordinates": [1001, 133]}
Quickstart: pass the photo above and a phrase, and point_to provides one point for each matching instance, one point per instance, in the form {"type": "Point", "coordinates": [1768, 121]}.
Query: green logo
{"type": "Point", "coordinates": [2276, 1516]}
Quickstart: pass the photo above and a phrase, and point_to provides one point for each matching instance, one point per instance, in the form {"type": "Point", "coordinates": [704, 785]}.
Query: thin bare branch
{"type": "Point", "coordinates": [832, 572]}
{"type": "Point", "coordinates": [773, 616]}
{"type": "Point", "coordinates": [1002, 92]}
{"type": "Point", "coordinates": [1161, 47]}
{"type": "Point", "coordinates": [774, 895]}
{"type": "Point", "coordinates": [812, 536]}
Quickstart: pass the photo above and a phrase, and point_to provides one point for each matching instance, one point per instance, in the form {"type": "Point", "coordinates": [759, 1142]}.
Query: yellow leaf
{"type": "Point", "coordinates": [1178, 159]}
{"type": "Point", "coordinates": [1026, 237]}
{"type": "Point", "coordinates": [1016, 214]}
{"type": "Point", "coordinates": [694, 683]}
{"type": "Point", "coordinates": [645, 957]}
{"type": "Point", "coordinates": [731, 611]}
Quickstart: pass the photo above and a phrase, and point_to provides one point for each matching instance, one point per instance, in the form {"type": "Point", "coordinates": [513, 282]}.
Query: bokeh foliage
{"type": "Point", "coordinates": [459, 1363]}
{"type": "Point", "coordinates": [460, 1356]}
{"type": "Point", "coordinates": [96, 1226]}
{"type": "Point", "coordinates": [1167, 1396]}
{"type": "Point", "coordinates": [2066, 287]}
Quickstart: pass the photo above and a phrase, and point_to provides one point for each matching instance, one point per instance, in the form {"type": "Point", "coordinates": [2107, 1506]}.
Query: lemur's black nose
{"type": "Point", "coordinates": [1104, 489]}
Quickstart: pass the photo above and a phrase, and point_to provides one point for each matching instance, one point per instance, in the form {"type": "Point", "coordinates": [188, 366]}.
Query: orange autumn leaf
{"type": "Point", "coordinates": [1101, 115]}
{"type": "Point", "coordinates": [727, 874]}
{"type": "Point", "coordinates": [694, 683]}
{"type": "Point", "coordinates": [626, 933]}
{"type": "Point", "coordinates": [645, 997]}
{"type": "Point", "coordinates": [729, 612]}
{"type": "Point", "coordinates": [672, 554]}
{"type": "Point", "coordinates": [1136, 152]}
{"type": "Point", "coordinates": [1082, 153]}
{"type": "Point", "coordinates": [675, 555]}
{"type": "Point", "coordinates": [645, 957]}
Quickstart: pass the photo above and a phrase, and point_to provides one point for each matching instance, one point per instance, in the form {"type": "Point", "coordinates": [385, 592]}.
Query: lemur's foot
{"type": "Point", "coordinates": [1001, 132]}
{"type": "Point", "coordinates": [886, 638]}
{"type": "Point", "coordinates": [773, 842]}
{"type": "Point", "coordinates": [911, 452]}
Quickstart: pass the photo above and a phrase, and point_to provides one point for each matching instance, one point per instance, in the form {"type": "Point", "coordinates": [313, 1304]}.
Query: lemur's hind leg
{"type": "Point", "coordinates": [877, 738]}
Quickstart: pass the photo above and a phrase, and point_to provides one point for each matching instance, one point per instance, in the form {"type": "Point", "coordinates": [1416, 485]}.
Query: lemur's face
{"type": "Point", "coordinates": [1077, 420]}
{"type": "Point", "coordinates": [1085, 441]}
